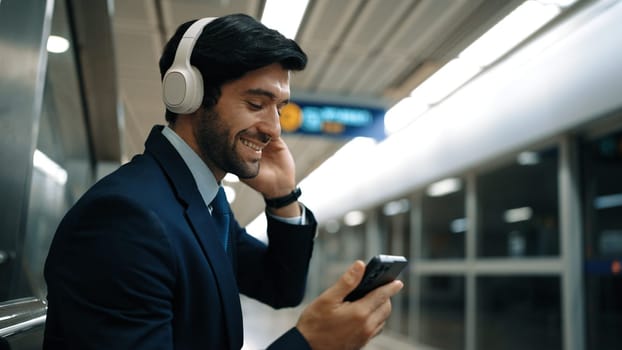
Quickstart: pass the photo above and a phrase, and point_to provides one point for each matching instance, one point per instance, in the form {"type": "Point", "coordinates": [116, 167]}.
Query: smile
{"type": "Point", "coordinates": [252, 145]}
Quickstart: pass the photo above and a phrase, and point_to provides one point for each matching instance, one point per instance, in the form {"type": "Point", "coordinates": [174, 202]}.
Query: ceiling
{"type": "Point", "coordinates": [361, 52]}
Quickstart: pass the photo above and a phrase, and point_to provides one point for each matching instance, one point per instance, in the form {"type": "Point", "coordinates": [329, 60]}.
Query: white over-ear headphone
{"type": "Point", "coordinates": [182, 86]}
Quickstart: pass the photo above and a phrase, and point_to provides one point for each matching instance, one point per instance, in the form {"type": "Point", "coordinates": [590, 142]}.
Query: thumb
{"type": "Point", "coordinates": [347, 282]}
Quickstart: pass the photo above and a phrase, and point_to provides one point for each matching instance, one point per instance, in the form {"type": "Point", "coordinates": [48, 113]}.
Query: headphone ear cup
{"type": "Point", "coordinates": [174, 89]}
{"type": "Point", "coordinates": [182, 85]}
{"type": "Point", "coordinates": [182, 89]}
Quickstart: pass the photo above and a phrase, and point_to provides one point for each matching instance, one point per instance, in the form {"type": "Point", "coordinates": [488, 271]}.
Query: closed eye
{"type": "Point", "coordinates": [254, 106]}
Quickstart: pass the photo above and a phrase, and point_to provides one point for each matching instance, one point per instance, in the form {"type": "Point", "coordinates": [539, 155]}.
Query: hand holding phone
{"type": "Point", "coordinates": [380, 270]}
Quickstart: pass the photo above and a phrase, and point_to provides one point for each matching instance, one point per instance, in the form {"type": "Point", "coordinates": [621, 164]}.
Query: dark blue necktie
{"type": "Point", "coordinates": [220, 214]}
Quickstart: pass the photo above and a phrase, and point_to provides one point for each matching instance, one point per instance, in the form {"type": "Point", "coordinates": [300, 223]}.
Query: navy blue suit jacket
{"type": "Point", "coordinates": [136, 264]}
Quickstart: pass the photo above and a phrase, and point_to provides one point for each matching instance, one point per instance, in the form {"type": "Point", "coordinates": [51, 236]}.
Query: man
{"type": "Point", "coordinates": [152, 258]}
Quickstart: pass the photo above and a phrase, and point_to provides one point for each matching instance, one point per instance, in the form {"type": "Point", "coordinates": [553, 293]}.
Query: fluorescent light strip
{"type": "Point", "coordinates": [518, 214]}
{"type": "Point", "coordinates": [560, 3]}
{"type": "Point", "coordinates": [354, 218]}
{"type": "Point", "coordinates": [348, 156]}
{"type": "Point", "coordinates": [403, 113]}
{"type": "Point", "coordinates": [608, 201]}
{"type": "Point", "coordinates": [396, 207]}
{"type": "Point", "coordinates": [496, 42]}
{"type": "Point", "coordinates": [528, 158]}
{"type": "Point", "coordinates": [444, 187]}
{"type": "Point", "coordinates": [284, 16]}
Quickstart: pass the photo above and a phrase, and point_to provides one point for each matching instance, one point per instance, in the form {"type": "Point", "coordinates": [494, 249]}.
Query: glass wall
{"type": "Point", "coordinates": [338, 244]}
{"type": "Point", "coordinates": [485, 261]}
{"type": "Point", "coordinates": [442, 312]}
{"type": "Point", "coordinates": [491, 250]}
{"type": "Point", "coordinates": [327, 255]}
{"type": "Point", "coordinates": [443, 220]}
{"type": "Point", "coordinates": [395, 233]}
{"type": "Point", "coordinates": [602, 202]}
{"type": "Point", "coordinates": [352, 245]}
{"type": "Point", "coordinates": [516, 313]}
{"type": "Point", "coordinates": [518, 207]}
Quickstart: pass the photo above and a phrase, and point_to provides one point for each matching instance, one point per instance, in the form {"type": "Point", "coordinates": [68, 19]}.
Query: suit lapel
{"type": "Point", "coordinates": [204, 227]}
{"type": "Point", "coordinates": [204, 231]}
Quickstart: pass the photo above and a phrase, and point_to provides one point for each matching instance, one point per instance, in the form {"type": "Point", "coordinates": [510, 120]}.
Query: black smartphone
{"type": "Point", "coordinates": [380, 270]}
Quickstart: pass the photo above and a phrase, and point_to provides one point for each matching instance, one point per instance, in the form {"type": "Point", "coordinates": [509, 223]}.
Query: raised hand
{"type": "Point", "coordinates": [330, 323]}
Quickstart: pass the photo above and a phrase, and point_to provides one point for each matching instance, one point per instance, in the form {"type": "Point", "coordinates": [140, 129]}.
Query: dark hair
{"type": "Point", "coordinates": [228, 48]}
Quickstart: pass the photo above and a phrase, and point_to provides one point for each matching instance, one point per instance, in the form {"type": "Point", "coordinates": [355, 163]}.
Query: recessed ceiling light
{"type": "Point", "coordinates": [57, 44]}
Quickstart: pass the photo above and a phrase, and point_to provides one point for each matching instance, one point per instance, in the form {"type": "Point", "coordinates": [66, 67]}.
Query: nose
{"type": "Point", "coordinates": [272, 125]}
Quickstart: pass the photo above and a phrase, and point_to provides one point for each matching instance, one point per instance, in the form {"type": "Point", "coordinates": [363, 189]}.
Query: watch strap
{"type": "Point", "coordinates": [280, 202]}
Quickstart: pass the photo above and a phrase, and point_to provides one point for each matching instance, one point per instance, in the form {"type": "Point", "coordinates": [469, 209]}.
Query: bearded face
{"type": "Point", "coordinates": [232, 135]}
{"type": "Point", "coordinates": [228, 150]}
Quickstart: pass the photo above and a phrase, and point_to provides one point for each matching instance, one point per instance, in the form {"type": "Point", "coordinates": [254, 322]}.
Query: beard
{"type": "Point", "coordinates": [212, 136]}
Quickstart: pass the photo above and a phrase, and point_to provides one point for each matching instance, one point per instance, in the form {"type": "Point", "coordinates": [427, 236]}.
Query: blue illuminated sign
{"type": "Point", "coordinates": [332, 120]}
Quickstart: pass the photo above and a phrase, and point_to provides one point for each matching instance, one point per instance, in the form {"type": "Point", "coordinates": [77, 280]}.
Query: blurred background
{"type": "Point", "coordinates": [482, 139]}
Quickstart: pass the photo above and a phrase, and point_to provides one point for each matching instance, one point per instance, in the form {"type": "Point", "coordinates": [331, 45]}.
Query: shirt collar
{"type": "Point", "coordinates": [205, 180]}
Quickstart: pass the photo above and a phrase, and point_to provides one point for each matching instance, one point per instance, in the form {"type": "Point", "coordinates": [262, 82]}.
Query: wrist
{"type": "Point", "coordinates": [283, 201]}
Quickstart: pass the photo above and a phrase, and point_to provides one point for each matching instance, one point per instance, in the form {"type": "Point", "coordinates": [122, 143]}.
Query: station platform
{"type": "Point", "coordinates": [262, 325]}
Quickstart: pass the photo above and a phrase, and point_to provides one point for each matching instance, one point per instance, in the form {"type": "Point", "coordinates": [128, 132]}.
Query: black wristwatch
{"type": "Point", "coordinates": [280, 202]}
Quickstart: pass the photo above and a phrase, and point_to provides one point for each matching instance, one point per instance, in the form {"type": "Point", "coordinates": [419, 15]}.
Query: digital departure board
{"type": "Point", "coordinates": [332, 120]}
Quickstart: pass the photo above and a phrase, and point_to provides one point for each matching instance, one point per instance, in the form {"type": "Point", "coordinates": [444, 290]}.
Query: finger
{"type": "Point", "coordinates": [378, 330]}
{"type": "Point", "coordinates": [374, 333]}
{"type": "Point", "coordinates": [380, 315]}
{"type": "Point", "coordinates": [380, 295]}
{"type": "Point", "coordinates": [347, 282]}
{"type": "Point", "coordinates": [277, 144]}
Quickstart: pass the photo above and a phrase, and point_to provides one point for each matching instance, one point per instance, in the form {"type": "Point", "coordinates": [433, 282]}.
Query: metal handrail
{"type": "Point", "coordinates": [21, 315]}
